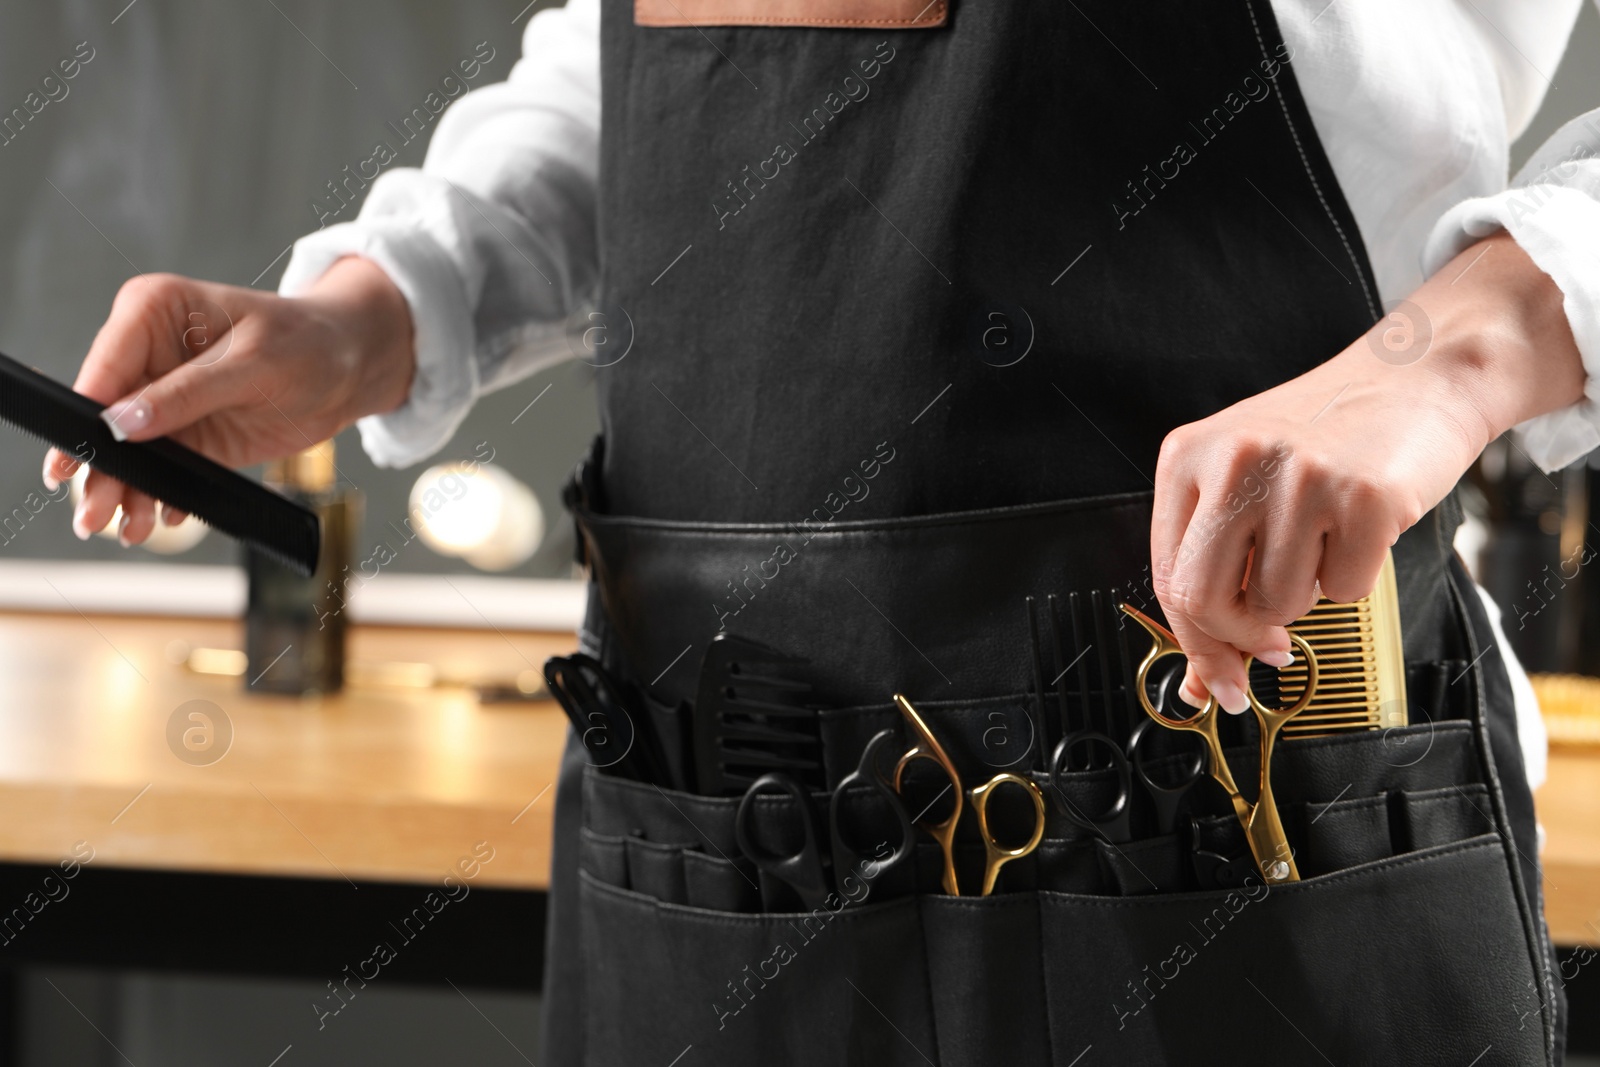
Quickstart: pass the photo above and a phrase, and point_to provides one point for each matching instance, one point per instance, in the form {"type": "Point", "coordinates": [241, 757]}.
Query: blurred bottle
{"type": "Point", "coordinates": [295, 627]}
{"type": "Point", "coordinates": [1583, 531]}
{"type": "Point", "coordinates": [1535, 563]}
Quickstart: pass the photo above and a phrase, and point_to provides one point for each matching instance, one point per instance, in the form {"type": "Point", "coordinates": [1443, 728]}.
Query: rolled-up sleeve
{"type": "Point", "coordinates": [492, 241]}
{"type": "Point", "coordinates": [1552, 210]}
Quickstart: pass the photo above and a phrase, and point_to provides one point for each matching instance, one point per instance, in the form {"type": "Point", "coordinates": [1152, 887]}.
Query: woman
{"type": "Point", "coordinates": [1025, 267]}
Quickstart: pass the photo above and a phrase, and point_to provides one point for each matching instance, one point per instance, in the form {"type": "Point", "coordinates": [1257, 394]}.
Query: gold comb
{"type": "Point", "coordinates": [1362, 681]}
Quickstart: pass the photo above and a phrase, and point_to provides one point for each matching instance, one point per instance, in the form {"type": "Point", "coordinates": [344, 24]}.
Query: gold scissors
{"type": "Point", "coordinates": [1262, 827]}
{"type": "Point", "coordinates": [996, 855]}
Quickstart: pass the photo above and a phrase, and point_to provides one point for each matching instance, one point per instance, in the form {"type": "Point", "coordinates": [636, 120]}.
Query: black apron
{"type": "Point", "coordinates": [908, 314]}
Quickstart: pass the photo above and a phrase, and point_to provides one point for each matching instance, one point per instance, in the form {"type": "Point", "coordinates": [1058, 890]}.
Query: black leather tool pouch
{"type": "Point", "coordinates": [1413, 937]}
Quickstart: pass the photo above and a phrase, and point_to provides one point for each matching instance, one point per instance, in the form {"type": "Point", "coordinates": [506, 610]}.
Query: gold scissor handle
{"type": "Point", "coordinates": [1202, 722]}
{"type": "Point", "coordinates": [927, 747]}
{"type": "Point", "coordinates": [1264, 829]}
{"type": "Point", "coordinates": [996, 854]}
{"type": "Point", "coordinates": [1262, 826]}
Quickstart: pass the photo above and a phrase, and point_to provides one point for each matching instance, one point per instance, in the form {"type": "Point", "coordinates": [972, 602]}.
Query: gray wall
{"type": "Point", "coordinates": [1574, 87]}
{"type": "Point", "coordinates": [194, 142]}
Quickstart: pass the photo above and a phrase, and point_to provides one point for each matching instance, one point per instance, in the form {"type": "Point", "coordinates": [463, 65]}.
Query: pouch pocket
{"type": "Point", "coordinates": [1439, 816]}
{"type": "Point", "coordinates": [1427, 755]}
{"type": "Point", "coordinates": [619, 807]}
{"type": "Point", "coordinates": [808, 988]}
{"type": "Point", "coordinates": [604, 856]}
{"type": "Point", "coordinates": [656, 870]}
{"type": "Point", "coordinates": [1407, 960]}
{"type": "Point", "coordinates": [1069, 865]}
{"type": "Point", "coordinates": [986, 987]}
{"type": "Point", "coordinates": [828, 14]}
{"type": "Point", "coordinates": [1347, 833]}
{"type": "Point", "coordinates": [1152, 865]}
{"type": "Point", "coordinates": [719, 884]}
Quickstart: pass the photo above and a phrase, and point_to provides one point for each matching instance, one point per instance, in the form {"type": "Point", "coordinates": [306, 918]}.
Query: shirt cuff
{"type": "Point", "coordinates": [445, 383]}
{"type": "Point", "coordinates": [1555, 218]}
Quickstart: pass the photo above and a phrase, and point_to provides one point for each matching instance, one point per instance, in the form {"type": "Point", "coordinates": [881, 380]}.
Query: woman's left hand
{"type": "Point", "coordinates": [1310, 483]}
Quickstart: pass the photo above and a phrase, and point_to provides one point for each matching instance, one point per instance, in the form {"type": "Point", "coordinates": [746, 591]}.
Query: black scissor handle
{"type": "Point", "coordinates": [804, 871]}
{"type": "Point", "coordinates": [1113, 823]}
{"type": "Point", "coordinates": [848, 859]}
{"type": "Point", "coordinates": [1166, 799]}
{"type": "Point", "coordinates": [598, 712]}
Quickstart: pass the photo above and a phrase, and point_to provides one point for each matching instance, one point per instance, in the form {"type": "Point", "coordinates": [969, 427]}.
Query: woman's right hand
{"type": "Point", "coordinates": [239, 375]}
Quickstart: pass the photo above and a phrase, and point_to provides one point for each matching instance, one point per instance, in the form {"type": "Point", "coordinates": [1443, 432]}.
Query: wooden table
{"type": "Point", "coordinates": [384, 784]}
{"type": "Point", "coordinates": [1569, 808]}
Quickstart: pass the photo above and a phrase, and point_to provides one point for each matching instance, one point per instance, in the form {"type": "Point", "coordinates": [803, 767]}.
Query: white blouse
{"type": "Point", "coordinates": [1416, 102]}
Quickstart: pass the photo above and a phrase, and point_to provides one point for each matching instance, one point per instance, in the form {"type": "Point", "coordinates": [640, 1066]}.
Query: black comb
{"type": "Point", "coordinates": [750, 720]}
{"type": "Point", "coordinates": [177, 476]}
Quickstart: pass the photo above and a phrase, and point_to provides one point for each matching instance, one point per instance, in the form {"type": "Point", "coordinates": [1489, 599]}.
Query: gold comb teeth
{"type": "Point", "coordinates": [1362, 683]}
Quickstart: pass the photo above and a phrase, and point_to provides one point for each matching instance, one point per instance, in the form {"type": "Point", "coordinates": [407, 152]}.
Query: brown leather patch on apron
{"type": "Point", "coordinates": [842, 14]}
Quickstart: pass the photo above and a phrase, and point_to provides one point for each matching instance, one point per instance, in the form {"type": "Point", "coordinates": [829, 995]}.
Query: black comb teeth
{"type": "Point", "coordinates": [1093, 675]}
{"type": "Point", "coordinates": [750, 720]}
{"type": "Point", "coordinates": [226, 501]}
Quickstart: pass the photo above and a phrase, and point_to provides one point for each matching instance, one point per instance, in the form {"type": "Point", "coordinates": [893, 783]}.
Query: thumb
{"type": "Point", "coordinates": [176, 400]}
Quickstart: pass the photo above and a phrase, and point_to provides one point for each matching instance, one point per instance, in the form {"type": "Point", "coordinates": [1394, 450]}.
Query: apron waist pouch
{"type": "Point", "coordinates": [922, 605]}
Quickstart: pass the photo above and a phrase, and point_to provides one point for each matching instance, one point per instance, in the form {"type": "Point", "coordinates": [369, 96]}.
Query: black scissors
{"type": "Point", "coordinates": [1110, 817]}
{"type": "Point", "coordinates": [1167, 799]}
{"type": "Point", "coordinates": [813, 876]}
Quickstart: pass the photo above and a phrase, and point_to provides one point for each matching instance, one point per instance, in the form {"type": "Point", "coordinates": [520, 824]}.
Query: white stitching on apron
{"type": "Point", "coordinates": [1372, 303]}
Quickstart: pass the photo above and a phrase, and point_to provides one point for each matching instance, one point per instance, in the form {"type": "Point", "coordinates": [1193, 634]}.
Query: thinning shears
{"type": "Point", "coordinates": [996, 855]}
{"type": "Point", "coordinates": [1263, 829]}
{"type": "Point", "coordinates": [812, 876]}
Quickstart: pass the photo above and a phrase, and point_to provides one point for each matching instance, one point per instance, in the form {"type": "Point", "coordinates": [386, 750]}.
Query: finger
{"type": "Point", "coordinates": [1175, 499]}
{"type": "Point", "coordinates": [138, 518]}
{"type": "Point", "coordinates": [58, 467]}
{"type": "Point", "coordinates": [101, 496]}
{"type": "Point", "coordinates": [1207, 584]}
{"type": "Point", "coordinates": [178, 399]}
{"type": "Point", "coordinates": [1283, 572]}
{"type": "Point", "coordinates": [1351, 563]}
{"type": "Point", "coordinates": [1172, 511]}
{"type": "Point", "coordinates": [1207, 611]}
{"type": "Point", "coordinates": [157, 322]}
{"type": "Point", "coordinates": [1214, 666]}
{"type": "Point", "coordinates": [120, 359]}
{"type": "Point", "coordinates": [171, 516]}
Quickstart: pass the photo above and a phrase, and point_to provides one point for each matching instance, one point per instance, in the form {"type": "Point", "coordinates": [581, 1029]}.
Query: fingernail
{"type": "Point", "coordinates": [1276, 659]}
{"type": "Point", "coordinates": [1190, 697]}
{"type": "Point", "coordinates": [171, 516]}
{"type": "Point", "coordinates": [1230, 696]}
{"type": "Point", "coordinates": [122, 531]}
{"type": "Point", "coordinates": [128, 416]}
{"type": "Point", "coordinates": [50, 482]}
{"type": "Point", "coordinates": [80, 524]}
